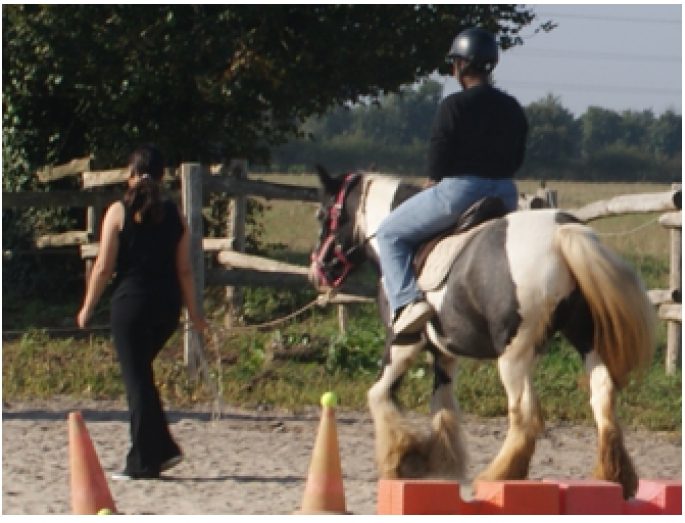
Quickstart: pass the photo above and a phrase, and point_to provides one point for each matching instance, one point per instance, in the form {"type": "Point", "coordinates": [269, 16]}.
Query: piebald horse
{"type": "Point", "coordinates": [518, 280]}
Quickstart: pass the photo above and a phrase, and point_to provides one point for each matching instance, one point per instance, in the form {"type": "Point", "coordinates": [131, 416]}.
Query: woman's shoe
{"type": "Point", "coordinates": [121, 476]}
{"type": "Point", "coordinates": [171, 462]}
{"type": "Point", "coordinates": [126, 476]}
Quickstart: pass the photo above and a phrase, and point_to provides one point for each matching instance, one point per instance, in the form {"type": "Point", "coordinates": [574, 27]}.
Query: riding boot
{"type": "Point", "coordinates": [412, 318]}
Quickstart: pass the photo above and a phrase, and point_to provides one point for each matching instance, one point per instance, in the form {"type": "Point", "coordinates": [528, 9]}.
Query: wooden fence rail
{"type": "Point", "coordinates": [239, 269]}
{"type": "Point", "coordinates": [630, 204]}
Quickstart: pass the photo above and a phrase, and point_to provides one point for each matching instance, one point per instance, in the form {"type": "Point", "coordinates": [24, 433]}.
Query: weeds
{"type": "Point", "coordinates": [37, 366]}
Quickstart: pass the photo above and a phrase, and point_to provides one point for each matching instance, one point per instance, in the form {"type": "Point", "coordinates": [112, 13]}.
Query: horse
{"type": "Point", "coordinates": [516, 281]}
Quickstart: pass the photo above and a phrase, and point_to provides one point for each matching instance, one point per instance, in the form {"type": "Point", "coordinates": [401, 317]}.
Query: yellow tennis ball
{"type": "Point", "coordinates": [329, 399]}
{"type": "Point", "coordinates": [105, 512]}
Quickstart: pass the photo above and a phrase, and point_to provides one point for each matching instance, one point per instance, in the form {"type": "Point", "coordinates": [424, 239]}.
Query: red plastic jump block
{"type": "Point", "coordinates": [421, 496]}
{"type": "Point", "coordinates": [656, 497]}
{"type": "Point", "coordinates": [588, 496]}
{"type": "Point", "coordinates": [517, 497]}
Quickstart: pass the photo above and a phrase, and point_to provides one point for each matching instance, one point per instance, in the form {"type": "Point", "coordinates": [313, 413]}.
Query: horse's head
{"type": "Point", "coordinates": [338, 251]}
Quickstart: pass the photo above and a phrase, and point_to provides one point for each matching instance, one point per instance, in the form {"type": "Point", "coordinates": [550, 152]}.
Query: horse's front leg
{"type": "Point", "coordinates": [447, 453]}
{"type": "Point", "coordinates": [525, 422]}
{"type": "Point", "coordinates": [613, 461]}
{"type": "Point", "coordinates": [445, 368]}
{"type": "Point", "coordinates": [393, 436]}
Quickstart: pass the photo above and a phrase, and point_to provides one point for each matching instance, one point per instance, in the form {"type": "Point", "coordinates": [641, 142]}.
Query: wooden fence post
{"type": "Point", "coordinates": [343, 318]}
{"type": "Point", "coordinates": [92, 220]}
{"type": "Point", "coordinates": [674, 333]}
{"type": "Point", "coordinates": [237, 215]}
{"type": "Point", "coordinates": [191, 196]}
{"type": "Point", "coordinates": [549, 197]}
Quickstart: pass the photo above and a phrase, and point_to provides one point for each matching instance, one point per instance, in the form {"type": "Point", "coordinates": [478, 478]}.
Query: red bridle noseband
{"type": "Point", "coordinates": [332, 273]}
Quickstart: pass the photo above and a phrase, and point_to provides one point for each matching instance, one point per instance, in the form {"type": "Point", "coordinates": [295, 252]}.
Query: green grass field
{"type": "Point", "coordinates": [252, 371]}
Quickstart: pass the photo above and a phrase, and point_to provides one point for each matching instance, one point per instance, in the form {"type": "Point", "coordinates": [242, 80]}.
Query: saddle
{"type": "Point", "coordinates": [437, 254]}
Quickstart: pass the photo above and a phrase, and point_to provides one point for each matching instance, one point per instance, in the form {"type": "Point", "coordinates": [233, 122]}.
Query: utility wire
{"type": "Point", "coordinates": [623, 89]}
{"type": "Point", "coordinates": [592, 56]}
{"type": "Point", "coordinates": [609, 18]}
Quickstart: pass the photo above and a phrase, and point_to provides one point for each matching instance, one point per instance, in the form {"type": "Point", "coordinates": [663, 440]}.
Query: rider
{"type": "Point", "coordinates": [477, 144]}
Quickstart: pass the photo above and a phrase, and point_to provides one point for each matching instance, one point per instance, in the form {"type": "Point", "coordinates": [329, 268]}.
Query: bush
{"type": "Point", "coordinates": [622, 163]}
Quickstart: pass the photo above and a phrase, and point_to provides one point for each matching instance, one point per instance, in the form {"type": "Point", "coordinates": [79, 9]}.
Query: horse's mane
{"type": "Point", "coordinates": [403, 183]}
{"type": "Point", "coordinates": [402, 180]}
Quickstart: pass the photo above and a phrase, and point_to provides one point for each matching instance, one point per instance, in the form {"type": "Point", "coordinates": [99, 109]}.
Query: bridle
{"type": "Point", "coordinates": [333, 272]}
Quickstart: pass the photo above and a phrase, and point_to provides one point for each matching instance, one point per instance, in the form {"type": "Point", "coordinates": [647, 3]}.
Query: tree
{"type": "Point", "coordinates": [391, 133]}
{"type": "Point", "coordinates": [554, 133]}
{"type": "Point", "coordinates": [601, 128]}
{"type": "Point", "coordinates": [666, 135]}
{"type": "Point", "coordinates": [416, 109]}
{"type": "Point", "coordinates": [635, 126]}
{"type": "Point", "coordinates": [208, 82]}
{"type": "Point", "coordinates": [400, 118]}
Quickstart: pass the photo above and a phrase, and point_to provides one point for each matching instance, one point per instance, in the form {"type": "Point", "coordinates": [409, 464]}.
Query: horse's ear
{"type": "Point", "coordinates": [330, 185]}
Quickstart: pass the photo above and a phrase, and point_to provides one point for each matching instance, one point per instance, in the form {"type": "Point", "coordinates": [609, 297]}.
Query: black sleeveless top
{"type": "Point", "coordinates": [146, 262]}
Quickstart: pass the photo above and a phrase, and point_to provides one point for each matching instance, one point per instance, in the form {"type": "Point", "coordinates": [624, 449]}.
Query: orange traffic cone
{"type": "Point", "coordinates": [89, 491]}
{"type": "Point", "coordinates": [324, 492]}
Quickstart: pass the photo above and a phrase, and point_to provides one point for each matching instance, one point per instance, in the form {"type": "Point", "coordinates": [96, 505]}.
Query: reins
{"type": "Point", "coordinates": [212, 339]}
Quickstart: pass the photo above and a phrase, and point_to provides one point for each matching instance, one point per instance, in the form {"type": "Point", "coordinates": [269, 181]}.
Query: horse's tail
{"type": "Point", "coordinates": [622, 314]}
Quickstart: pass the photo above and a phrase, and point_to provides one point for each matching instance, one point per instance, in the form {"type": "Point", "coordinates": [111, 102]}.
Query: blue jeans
{"type": "Point", "coordinates": [422, 216]}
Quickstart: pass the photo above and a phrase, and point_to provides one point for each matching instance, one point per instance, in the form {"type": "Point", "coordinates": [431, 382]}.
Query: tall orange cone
{"type": "Point", "coordinates": [324, 492]}
{"type": "Point", "coordinates": [89, 491]}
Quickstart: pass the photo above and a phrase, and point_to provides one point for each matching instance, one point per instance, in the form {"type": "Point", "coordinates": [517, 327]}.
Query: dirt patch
{"type": "Point", "coordinates": [256, 462]}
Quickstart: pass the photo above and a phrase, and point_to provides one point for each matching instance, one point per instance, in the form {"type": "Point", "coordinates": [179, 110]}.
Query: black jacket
{"type": "Point", "coordinates": [479, 131]}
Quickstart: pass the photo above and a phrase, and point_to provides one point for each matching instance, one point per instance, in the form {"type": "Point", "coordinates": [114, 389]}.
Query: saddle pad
{"type": "Point", "coordinates": [440, 260]}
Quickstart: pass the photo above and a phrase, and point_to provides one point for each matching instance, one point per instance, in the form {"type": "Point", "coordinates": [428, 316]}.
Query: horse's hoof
{"type": "Point", "coordinates": [413, 465]}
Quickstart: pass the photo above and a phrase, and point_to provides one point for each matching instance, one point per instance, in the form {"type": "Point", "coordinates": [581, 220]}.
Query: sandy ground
{"type": "Point", "coordinates": [257, 462]}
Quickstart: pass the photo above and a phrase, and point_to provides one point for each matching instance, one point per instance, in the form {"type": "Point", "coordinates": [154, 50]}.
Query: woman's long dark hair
{"type": "Point", "coordinates": [144, 199]}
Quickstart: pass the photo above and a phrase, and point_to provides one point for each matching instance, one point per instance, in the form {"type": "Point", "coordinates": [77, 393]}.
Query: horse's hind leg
{"type": "Point", "coordinates": [394, 437]}
{"type": "Point", "coordinates": [613, 462]}
{"type": "Point", "coordinates": [447, 456]}
{"type": "Point", "coordinates": [525, 422]}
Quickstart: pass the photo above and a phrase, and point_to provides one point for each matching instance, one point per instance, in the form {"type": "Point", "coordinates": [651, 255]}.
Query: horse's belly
{"type": "Point", "coordinates": [477, 310]}
{"type": "Point", "coordinates": [472, 345]}
{"type": "Point", "coordinates": [463, 333]}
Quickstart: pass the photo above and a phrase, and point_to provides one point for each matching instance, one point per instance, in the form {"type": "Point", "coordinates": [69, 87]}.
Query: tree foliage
{"type": "Point", "coordinates": [208, 82]}
{"type": "Point", "coordinates": [554, 134]}
{"type": "Point", "coordinates": [392, 135]}
{"type": "Point", "coordinates": [600, 129]}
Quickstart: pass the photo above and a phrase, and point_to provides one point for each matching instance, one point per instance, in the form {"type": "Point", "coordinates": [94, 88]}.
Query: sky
{"type": "Point", "coordinates": [615, 56]}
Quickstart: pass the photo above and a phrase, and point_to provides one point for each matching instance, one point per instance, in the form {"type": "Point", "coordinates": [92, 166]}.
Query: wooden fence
{"type": "Point", "coordinates": [197, 182]}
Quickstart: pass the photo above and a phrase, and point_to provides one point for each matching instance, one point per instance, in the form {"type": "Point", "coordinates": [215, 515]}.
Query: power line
{"type": "Point", "coordinates": [592, 55]}
{"type": "Point", "coordinates": [608, 18]}
{"type": "Point", "coordinates": [596, 88]}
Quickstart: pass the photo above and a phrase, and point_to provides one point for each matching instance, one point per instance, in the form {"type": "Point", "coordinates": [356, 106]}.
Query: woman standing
{"type": "Point", "coordinates": [145, 240]}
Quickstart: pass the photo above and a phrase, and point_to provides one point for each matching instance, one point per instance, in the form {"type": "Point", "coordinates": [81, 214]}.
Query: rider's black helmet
{"type": "Point", "coordinates": [478, 47]}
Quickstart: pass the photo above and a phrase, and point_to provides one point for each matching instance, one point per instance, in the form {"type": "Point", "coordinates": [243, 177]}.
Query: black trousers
{"type": "Point", "coordinates": [141, 325]}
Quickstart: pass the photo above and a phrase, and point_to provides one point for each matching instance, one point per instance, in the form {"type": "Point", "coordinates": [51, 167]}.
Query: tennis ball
{"type": "Point", "coordinates": [105, 512]}
{"type": "Point", "coordinates": [329, 399]}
